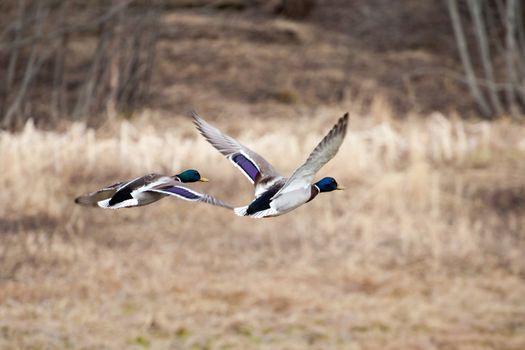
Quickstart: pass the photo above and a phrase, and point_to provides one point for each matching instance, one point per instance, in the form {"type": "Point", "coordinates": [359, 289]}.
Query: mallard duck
{"type": "Point", "coordinates": [148, 189]}
{"type": "Point", "coordinates": [275, 194]}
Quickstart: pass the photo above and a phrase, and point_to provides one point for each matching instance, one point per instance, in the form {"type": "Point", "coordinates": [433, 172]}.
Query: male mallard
{"type": "Point", "coordinates": [275, 194]}
{"type": "Point", "coordinates": [148, 189]}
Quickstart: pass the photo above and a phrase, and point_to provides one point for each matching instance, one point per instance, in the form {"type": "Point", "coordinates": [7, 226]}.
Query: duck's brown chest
{"type": "Point", "coordinates": [314, 191]}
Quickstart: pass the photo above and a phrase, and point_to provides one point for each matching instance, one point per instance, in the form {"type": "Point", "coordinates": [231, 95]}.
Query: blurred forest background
{"type": "Point", "coordinates": [74, 60]}
{"type": "Point", "coordinates": [423, 251]}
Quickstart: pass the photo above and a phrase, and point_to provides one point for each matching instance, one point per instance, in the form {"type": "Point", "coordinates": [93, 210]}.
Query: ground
{"type": "Point", "coordinates": [423, 250]}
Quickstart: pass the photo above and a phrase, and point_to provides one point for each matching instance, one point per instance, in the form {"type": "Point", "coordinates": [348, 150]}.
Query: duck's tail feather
{"type": "Point", "coordinates": [91, 199]}
{"type": "Point", "coordinates": [241, 211]}
{"type": "Point", "coordinates": [86, 200]}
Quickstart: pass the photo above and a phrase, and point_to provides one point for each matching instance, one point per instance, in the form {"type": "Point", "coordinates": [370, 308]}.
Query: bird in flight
{"type": "Point", "coordinates": [148, 189]}
{"type": "Point", "coordinates": [274, 194]}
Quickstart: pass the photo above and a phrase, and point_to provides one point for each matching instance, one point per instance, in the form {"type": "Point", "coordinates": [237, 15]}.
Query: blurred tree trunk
{"type": "Point", "coordinates": [504, 83]}
{"type": "Point", "coordinates": [475, 7]}
{"type": "Point", "coordinates": [465, 59]}
{"type": "Point", "coordinates": [14, 54]}
{"type": "Point", "coordinates": [112, 75]}
{"type": "Point", "coordinates": [13, 60]}
{"type": "Point", "coordinates": [510, 55]}
{"type": "Point", "coordinates": [150, 45]}
{"type": "Point", "coordinates": [86, 94]}
{"type": "Point", "coordinates": [114, 69]}
{"type": "Point", "coordinates": [14, 113]}
{"type": "Point", "coordinates": [58, 100]}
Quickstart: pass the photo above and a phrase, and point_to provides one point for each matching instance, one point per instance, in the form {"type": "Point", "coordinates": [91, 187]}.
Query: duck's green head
{"type": "Point", "coordinates": [327, 184]}
{"type": "Point", "coordinates": [191, 175]}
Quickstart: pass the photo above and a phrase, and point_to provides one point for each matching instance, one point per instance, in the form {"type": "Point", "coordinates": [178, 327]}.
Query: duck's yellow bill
{"type": "Point", "coordinates": [339, 188]}
{"type": "Point", "coordinates": [203, 179]}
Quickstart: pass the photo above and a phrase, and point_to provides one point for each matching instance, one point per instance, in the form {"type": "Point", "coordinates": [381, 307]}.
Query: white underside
{"type": "Point", "coordinates": [241, 211]}
{"type": "Point", "coordinates": [140, 197]}
{"type": "Point", "coordinates": [284, 203]}
{"type": "Point", "coordinates": [125, 204]}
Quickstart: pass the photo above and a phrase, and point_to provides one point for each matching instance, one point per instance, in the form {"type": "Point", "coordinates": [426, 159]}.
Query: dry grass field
{"type": "Point", "coordinates": [424, 250]}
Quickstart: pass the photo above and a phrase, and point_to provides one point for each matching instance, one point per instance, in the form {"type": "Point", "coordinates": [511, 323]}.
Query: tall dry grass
{"type": "Point", "coordinates": [424, 249]}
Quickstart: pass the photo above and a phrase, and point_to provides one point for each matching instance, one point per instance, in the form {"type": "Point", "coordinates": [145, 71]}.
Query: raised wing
{"type": "Point", "coordinates": [184, 192]}
{"type": "Point", "coordinates": [256, 169]}
{"type": "Point", "coordinates": [322, 153]}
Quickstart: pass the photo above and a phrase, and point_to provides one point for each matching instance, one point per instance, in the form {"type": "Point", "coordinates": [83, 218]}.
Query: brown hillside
{"type": "Point", "coordinates": [344, 50]}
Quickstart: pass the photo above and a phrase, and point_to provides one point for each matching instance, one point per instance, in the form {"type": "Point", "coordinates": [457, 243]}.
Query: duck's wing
{"type": "Point", "coordinates": [183, 191]}
{"type": "Point", "coordinates": [146, 181]}
{"type": "Point", "coordinates": [256, 169]}
{"type": "Point", "coordinates": [322, 153]}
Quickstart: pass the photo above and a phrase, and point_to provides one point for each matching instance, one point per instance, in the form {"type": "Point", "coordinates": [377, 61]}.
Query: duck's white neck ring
{"type": "Point", "coordinates": [317, 188]}
{"type": "Point", "coordinates": [177, 178]}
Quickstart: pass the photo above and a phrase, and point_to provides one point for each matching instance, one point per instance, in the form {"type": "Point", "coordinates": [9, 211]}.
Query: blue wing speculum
{"type": "Point", "coordinates": [246, 165]}
{"type": "Point", "coordinates": [180, 192]}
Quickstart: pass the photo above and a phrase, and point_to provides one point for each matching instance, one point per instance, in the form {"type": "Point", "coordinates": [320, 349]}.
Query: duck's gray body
{"type": "Point", "coordinates": [266, 204]}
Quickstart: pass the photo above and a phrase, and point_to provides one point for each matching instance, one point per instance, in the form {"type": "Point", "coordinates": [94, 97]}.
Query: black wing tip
{"type": "Point", "coordinates": [200, 124]}
{"type": "Point", "coordinates": [341, 125]}
{"type": "Point", "coordinates": [344, 118]}
{"type": "Point", "coordinates": [197, 121]}
{"type": "Point", "coordinates": [193, 113]}
{"type": "Point", "coordinates": [195, 116]}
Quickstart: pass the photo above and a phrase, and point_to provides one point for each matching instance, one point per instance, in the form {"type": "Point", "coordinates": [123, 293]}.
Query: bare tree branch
{"type": "Point", "coordinates": [481, 35]}
{"type": "Point", "coordinates": [510, 42]}
{"type": "Point", "coordinates": [57, 100]}
{"type": "Point", "coordinates": [86, 94]}
{"type": "Point", "coordinates": [11, 68]}
{"type": "Point", "coordinates": [44, 37]}
{"type": "Point", "coordinates": [465, 58]}
{"type": "Point", "coordinates": [32, 68]}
